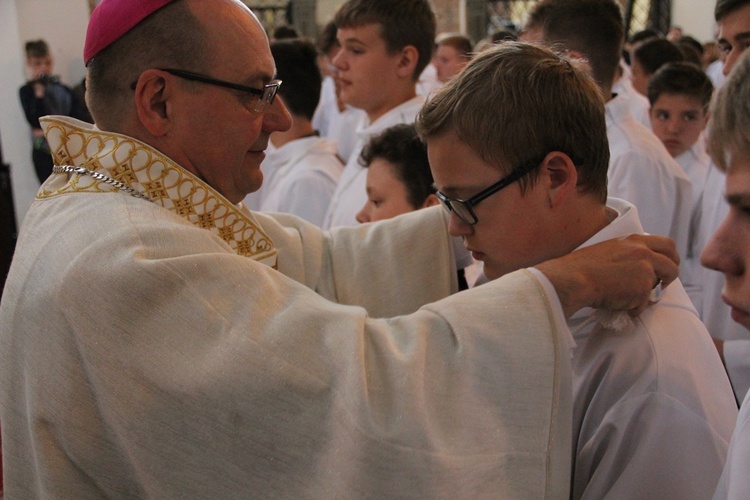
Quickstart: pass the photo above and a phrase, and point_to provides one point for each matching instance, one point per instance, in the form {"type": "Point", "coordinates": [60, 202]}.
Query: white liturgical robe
{"type": "Point", "coordinates": [335, 124]}
{"type": "Point", "coordinates": [653, 411]}
{"type": "Point", "coordinates": [299, 178]}
{"type": "Point", "coordinates": [642, 172]}
{"type": "Point", "coordinates": [150, 349]}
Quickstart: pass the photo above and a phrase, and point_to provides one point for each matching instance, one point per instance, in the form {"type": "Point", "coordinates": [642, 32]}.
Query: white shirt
{"type": "Point", "coordinates": [299, 178]}
{"type": "Point", "coordinates": [351, 192]}
{"type": "Point", "coordinates": [715, 72]}
{"type": "Point", "coordinates": [428, 81]}
{"type": "Point", "coordinates": [334, 124]}
{"type": "Point", "coordinates": [695, 162]}
{"type": "Point", "coordinates": [637, 102]}
{"type": "Point", "coordinates": [653, 411]}
{"type": "Point", "coordinates": [642, 172]}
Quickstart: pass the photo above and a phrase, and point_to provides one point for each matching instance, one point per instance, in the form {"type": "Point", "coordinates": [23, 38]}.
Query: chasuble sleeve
{"type": "Point", "coordinates": [283, 390]}
{"type": "Point", "coordinates": [390, 267]}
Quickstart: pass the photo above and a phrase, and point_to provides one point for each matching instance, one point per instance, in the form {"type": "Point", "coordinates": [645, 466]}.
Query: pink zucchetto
{"type": "Point", "coordinates": [112, 19]}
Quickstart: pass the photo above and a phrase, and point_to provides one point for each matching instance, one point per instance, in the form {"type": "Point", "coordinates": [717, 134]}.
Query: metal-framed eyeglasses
{"type": "Point", "coordinates": [464, 209]}
{"type": "Point", "coordinates": [266, 95]}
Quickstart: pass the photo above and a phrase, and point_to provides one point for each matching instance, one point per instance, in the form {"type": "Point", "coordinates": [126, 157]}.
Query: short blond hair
{"type": "Point", "coordinates": [729, 135]}
{"type": "Point", "coordinates": [516, 102]}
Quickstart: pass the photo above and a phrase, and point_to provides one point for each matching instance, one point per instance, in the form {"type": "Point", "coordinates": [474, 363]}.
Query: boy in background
{"type": "Point", "coordinates": [398, 175]}
{"type": "Point", "coordinates": [453, 52]}
{"type": "Point", "coordinates": [385, 46]}
{"type": "Point", "coordinates": [44, 95]}
{"type": "Point", "coordinates": [641, 170]}
{"type": "Point", "coordinates": [680, 94]}
{"type": "Point", "coordinates": [399, 180]}
{"type": "Point", "coordinates": [302, 169]}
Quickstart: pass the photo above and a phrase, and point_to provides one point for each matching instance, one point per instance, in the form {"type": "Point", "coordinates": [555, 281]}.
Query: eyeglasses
{"type": "Point", "coordinates": [266, 95]}
{"type": "Point", "coordinates": [464, 209]}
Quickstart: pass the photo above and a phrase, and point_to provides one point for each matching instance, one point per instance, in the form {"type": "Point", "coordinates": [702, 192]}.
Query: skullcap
{"type": "Point", "coordinates": [114, 18]}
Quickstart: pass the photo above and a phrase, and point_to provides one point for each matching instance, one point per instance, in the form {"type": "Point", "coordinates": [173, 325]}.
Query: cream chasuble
{"type": "Point", "coordinates": [144, 355]}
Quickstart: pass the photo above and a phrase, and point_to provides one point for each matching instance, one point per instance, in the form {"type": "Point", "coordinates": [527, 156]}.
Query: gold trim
{"type": "Point", "coordinates": [148, 171]}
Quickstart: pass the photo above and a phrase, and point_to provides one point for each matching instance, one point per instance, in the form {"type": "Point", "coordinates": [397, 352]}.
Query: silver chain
{"type": "Point", "coordinates": [58, 169]}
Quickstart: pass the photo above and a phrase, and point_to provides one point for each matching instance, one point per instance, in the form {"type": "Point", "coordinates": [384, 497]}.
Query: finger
{"type": "Point", "coordinates": [666, 269]}
{"type": "Point", "coordinates": [662, 245]}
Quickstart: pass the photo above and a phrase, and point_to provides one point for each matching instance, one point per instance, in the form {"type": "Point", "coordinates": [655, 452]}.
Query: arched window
{"type": "Point", "coordinates": [639, 14]}
{"type": "Point", "coordinates": [642, 14]}
{"type": "Point", "coordinates": [271, 13]}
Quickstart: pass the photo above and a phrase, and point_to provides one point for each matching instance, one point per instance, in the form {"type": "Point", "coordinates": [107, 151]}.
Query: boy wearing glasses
{"type": "Point", "coordinates": [653, 410]}
{"type": "Point", "coordinates": [385, 45]}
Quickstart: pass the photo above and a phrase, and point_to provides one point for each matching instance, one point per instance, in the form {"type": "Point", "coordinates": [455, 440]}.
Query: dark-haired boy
{"type": "Point", "coordinates": [679, 94]}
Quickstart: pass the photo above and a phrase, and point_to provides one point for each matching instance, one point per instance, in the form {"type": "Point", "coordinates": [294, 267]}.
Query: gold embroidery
{"type": "Point", "coordinates": [206, 221]}
{"type": "Point", "coordinates": [155, 190]}
{"type": "Point", "coordinates": [226, 233]}
{"type": "Point", "coordinates": [148, 171]}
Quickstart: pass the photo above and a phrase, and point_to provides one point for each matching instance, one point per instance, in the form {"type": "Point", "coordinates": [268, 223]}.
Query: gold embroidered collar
{"type": "Point", "coordinates": [147, 171]}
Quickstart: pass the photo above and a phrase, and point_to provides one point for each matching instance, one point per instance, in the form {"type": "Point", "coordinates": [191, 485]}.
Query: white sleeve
{"type": "Point", "coordinates": [558, 315]}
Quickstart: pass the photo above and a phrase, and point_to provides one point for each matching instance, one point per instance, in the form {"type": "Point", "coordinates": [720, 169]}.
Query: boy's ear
{"type": "Point", "coordinates": [560, 176]}
{"type": "Point", "coordinates": [407, 61]}
{"type": "Point", "coordinates": [581, 61]}
{"type": "Point", "coordinates": [430, 201]}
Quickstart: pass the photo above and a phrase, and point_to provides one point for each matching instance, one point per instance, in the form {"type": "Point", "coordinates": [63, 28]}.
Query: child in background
{"type": "Point", "coordinates": [646, 58]}
{"type": "Point", "coordinates": [398, 176]}
{"type": "Point", "coordinates": [44, 95]}
{"type": "Point", "coordinates": [301, 169]}
{"type": "Point", "coordinates": [399, 180]}
{"type": "Point", "coordinates": [679, 94]}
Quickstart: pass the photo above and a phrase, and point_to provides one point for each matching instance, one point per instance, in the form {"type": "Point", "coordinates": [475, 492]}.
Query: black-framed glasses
{"type": "Point", "coordinates": [464, 209]}
{"type": "Point", "coordinates": [266, 95]}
